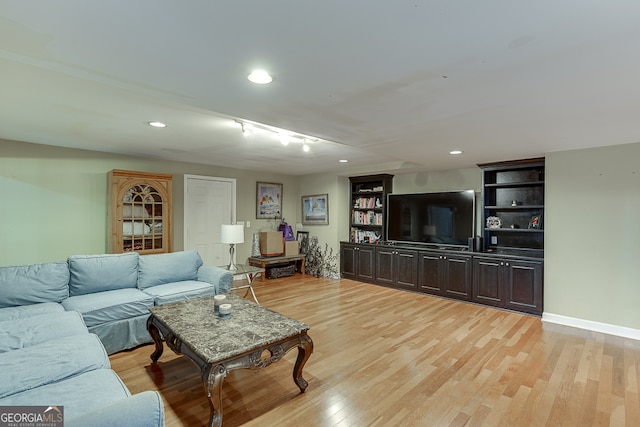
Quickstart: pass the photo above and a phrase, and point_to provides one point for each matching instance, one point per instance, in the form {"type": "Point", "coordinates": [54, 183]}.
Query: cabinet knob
{"type": "Point", "coordinates": [501, 263]}
{"type": "Point", "coordinates": [507, 264]}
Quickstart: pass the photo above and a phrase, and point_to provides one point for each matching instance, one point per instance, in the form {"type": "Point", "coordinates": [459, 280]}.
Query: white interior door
{"type": "Point", "coordinates": [209, 203]}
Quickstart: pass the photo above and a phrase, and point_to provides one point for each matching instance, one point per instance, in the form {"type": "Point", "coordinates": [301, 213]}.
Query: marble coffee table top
{"type": "Point", "coordinates": [250, 326]}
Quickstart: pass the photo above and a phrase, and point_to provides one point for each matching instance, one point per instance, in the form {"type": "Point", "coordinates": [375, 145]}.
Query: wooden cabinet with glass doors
{"type": "Point", "coordinates": [139, 212]}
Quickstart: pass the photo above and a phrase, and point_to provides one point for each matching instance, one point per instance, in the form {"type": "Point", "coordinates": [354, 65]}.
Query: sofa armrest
{"type": "Point", "coordinates": [144, 409]}
{"type": "Point", "coordinates": [220, 278]}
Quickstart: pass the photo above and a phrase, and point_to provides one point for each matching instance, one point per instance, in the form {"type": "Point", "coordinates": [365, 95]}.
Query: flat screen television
{"type": "Point", "coordinates": [443, 218]}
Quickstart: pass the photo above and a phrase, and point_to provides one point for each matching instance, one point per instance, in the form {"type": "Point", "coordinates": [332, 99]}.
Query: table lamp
{"type": "Point", "coordinates": [232, 234]}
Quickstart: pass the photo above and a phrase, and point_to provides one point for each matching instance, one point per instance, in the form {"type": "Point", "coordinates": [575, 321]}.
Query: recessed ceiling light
{"type": "Point", "coordinates": [260, 77]}
{"type": "Point", "coordinates": [455, 152]}
{"type": "Point", "coordinates": [343, 161]}
{"type": "Point", "coordinates": [157, 124]}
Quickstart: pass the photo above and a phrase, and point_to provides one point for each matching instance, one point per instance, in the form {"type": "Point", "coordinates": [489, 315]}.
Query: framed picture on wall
{"type": "Point", "coordinates": [268, 200]}
{"type": "Point", "coordinates": [303, 241]}
{"type": "Point", "coordinates": [315, 209]}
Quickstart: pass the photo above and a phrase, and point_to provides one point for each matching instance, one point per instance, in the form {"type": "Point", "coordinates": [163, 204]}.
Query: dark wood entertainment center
{"type": "Point", "coordinates": [508, 270]}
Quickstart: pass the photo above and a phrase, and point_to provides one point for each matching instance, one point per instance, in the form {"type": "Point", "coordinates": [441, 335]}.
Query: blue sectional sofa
{"type": "Point", "coordinates": [59, 321]}
{"type": "Point", "coordinates": [49, 358]}
{"type": "Point", "coordinates": [113, 292]}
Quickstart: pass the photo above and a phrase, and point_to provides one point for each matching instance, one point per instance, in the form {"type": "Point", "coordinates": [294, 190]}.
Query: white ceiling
{"type": "Point", "coordinates": [395, 85]}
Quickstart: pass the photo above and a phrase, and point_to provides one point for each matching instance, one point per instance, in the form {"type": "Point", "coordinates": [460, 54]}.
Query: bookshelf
{"type": "Point", "coordinates": [367, 213]}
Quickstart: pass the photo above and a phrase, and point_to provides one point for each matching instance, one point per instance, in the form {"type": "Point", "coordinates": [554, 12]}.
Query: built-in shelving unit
{"type": "Point", "coordinates": [367, 215]}
{"type": "Point", "coordinates": [513, 206]}
{"type": "Point", "coordinates": [507, 272]}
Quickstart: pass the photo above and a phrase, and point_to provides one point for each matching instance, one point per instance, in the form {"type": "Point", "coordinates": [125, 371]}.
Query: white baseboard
{"type": "Point", "coordinates": [590, 325]}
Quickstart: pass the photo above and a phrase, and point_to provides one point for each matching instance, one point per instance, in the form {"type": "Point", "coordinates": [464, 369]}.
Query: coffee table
{"type": "Point", "coordinates": [218, 346]}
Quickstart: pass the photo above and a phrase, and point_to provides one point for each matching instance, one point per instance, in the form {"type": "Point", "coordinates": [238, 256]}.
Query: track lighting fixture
{"type": "Point", "coordinates": [246, 129]}
{"type": "Point", "coordinates": [284, 136]}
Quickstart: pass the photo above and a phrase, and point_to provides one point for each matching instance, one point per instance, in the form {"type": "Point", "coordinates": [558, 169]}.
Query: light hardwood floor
{"type": "Point", "coordinates": [385, 357]}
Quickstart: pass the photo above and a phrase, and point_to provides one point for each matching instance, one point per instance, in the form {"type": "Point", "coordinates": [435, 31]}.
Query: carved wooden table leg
{"type": "Point", "coordinates": [180, 323]}
{"type": "Point", "coordinates": [157, 339]}
{"type": "Point", "coordinates": [305, 348]}
{"type": "Point", "coordinates": [212, 377]}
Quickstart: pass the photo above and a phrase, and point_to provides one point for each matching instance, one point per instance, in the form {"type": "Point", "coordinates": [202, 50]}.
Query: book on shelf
{"type": "Point", "coordinates": [367, 203]}
{"type": "Point", "coordinates": [366, 218]}
{"type": "Point", "coordinates": [364, 236]}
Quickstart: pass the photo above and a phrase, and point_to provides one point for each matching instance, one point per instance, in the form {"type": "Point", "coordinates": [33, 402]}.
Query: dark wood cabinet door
{"type": "Point", "coordinates": [396, 268]}
{"type": "Point", "coordinates": [406, 269]}
{"type": "Point", "coordinates": [488, 281]}
{"type": "Point", "coordinates": [357, 262]}
{"type": "Point", "coordinates": [524, 286]}
{"type": "Point", "coordinates": [456, 276]}
{"type": "Point", "coordinates": [348, 261]}
{"type": "Point", "coordinates": [385, 270]}
{"type": "Point", "coordinates": [366, 262]}
{"type": "Point", "coordinates": [429, 273]}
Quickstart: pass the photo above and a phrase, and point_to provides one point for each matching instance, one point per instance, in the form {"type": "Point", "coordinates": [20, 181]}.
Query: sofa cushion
{"type": "Point", "coordinates": [159, 269]}
{"type": "Point", "coordinates": [32, 284]}
{"type": "Point", "coordinates": [25, 311]}
{"type": "Point", "coordinates": [144, 409]}
{"type": "Point", "coordinates": [79, 394]}
{"type": "Point", "coordinates": [109, 306]}
{"type": "Point", "coordinates": [49, 362]}
{"type": "Point", "coordinates": [38, 329]}
{"type": "Point", "coordinates": [180, 291]}
{"type": "Point", "coordinates": [97, 273]}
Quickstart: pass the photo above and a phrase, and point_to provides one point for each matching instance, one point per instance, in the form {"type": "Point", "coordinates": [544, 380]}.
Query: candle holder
{"type": "Point", "coordinates": [218, 300]}
{"type": "Point", "coordinates": [224, 310]}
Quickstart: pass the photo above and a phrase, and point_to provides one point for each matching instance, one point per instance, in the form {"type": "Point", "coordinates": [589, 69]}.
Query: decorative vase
{"type": "Point", "coordinates": [255, 248]}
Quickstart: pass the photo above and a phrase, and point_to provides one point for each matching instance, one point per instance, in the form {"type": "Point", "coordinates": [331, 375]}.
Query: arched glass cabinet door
{"type": "Point", "coordinates": [140, 215]}
{"type": "Point", "coordinates": [142, 222]}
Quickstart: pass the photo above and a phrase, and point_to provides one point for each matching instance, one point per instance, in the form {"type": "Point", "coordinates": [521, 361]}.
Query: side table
{"type": "Point", "coordinates": [264, 261]}
{"type": "Point", "coordinates": [249, 272]}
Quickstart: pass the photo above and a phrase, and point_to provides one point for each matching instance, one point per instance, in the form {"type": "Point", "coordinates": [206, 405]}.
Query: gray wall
{"type": "Point", "coordinates": [54, 205]}
{"type": "Point", "coordinates": [54, 200]}
{"type": "Point", "coordinates": [592, 234]}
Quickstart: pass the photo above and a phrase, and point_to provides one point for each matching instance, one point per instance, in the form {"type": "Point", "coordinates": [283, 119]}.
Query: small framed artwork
{"type": "Point", "coordinates": [536, 222]}
{"type": "Point", "coordinates": [303, 241]}
{"type": "Point", "coordinates": [268, 200]}
{"type": "Point", "coordinates": [315, 209]}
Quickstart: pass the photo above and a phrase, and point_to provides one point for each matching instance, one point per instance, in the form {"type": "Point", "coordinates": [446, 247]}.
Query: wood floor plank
{"type": "Point", "coordinates": [384, 357]}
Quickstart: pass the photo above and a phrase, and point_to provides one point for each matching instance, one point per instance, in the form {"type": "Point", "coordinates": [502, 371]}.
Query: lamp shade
{"type": "Point", "coordinates": [232, 233]}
